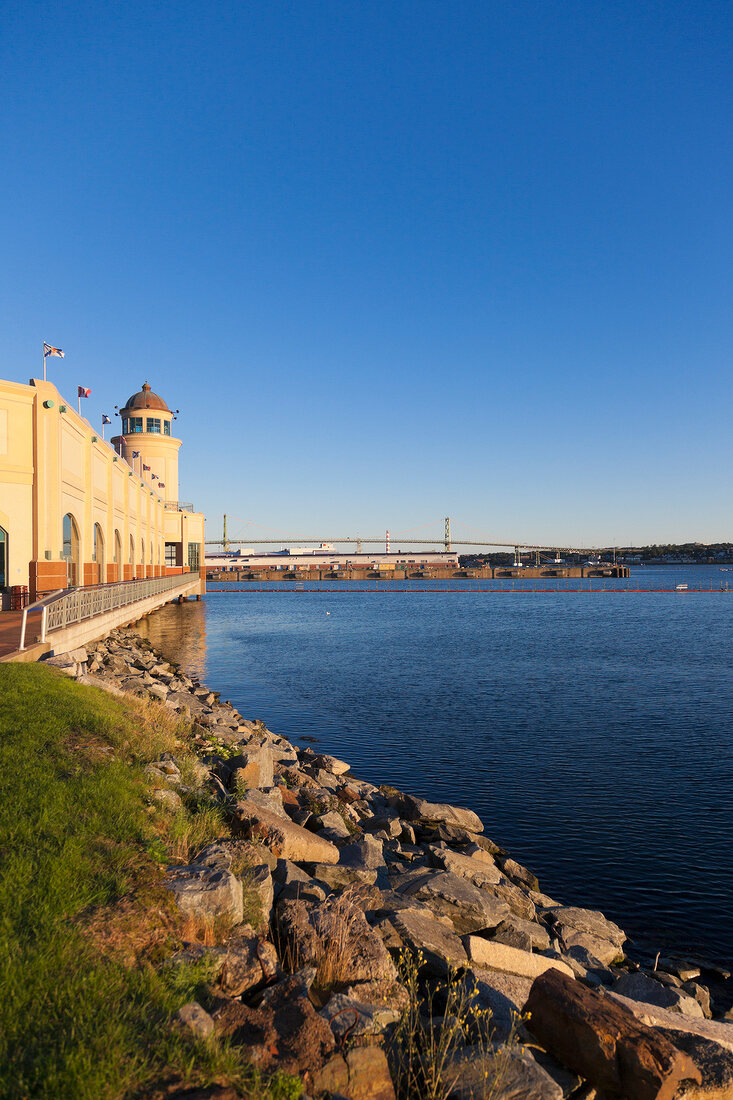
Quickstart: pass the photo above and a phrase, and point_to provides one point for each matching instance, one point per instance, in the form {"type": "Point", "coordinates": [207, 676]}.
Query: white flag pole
{"type": "Point", "coordinates": [79, 399]}
{"type": "Point", "coordinates": [43, 353]}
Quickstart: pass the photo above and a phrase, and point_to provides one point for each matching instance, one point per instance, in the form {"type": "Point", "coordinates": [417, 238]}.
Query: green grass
{"type": "Point", "coordinates": [77, 837]}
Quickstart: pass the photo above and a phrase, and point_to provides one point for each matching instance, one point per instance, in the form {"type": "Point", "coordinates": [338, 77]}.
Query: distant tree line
{"type": "Point", "coordinates": [701, 552]}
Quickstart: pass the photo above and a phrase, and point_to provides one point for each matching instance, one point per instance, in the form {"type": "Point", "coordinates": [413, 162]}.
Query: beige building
{"type": "Point", "coordinates": [76, 510]}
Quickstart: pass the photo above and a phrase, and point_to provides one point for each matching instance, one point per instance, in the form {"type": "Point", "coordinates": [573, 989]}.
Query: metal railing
{"type": "Point", "coordinates": [84, 603]}
{"type": "Point", "coordinates": [178, 506]}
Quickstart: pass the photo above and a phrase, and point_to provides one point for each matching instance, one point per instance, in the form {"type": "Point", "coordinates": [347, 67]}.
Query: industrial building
{"type": "Point", "coordinates": [300, 560]}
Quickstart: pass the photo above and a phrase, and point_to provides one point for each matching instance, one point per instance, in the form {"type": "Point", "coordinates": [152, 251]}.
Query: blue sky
{"type": "Point", "coordinates": [392, 261]}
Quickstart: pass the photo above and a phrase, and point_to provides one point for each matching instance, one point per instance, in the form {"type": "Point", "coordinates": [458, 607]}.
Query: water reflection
{"type": "Point", "coordinates": [178, 631]}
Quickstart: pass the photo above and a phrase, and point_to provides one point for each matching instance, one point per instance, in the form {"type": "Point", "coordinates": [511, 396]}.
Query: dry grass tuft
{"type": "Point", "coordinates": [331, 949]}
{"type": "Point", "coordinates": [439, 1020]}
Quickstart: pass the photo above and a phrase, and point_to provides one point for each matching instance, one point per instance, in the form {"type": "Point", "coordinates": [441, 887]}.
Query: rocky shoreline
{"type": "Point", "coordinates": [369, 934]}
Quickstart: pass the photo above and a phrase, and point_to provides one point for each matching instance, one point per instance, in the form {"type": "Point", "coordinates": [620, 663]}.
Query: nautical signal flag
{"type": "Point", "coordinates": [135, 454]}
{"type": "Point", "coordinates": [48, 350]}
{"type": "Point", "coordinates": [145, 467]}
{"type": "Point", "coordinates": [154, 476]}
{"type": "Point", "coordinates": [161, 485]}
{"type": "Point", "coordinates": [105, 419]}
{"type": "Point", "coordinates": [82, 392]}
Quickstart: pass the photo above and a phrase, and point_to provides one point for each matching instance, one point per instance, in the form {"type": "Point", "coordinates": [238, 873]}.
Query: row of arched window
{"type": "Point", "coordinates": [71, 552]}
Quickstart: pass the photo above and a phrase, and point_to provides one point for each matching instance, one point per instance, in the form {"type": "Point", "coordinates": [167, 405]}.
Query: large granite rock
{"type": "Point", "coordinates": [436, 813]}
{"type": "Point", "coordinates": [207, 893]}
{"type": "Point", "coordinates": [469, 908]}
{"type": "Point", "coordinates": [503, 1073]}
{"type": "Point", "coordinates": [524, 934]}
{"type": "Point", "coordinates": [249, 961]}
{"type": "Point", "coordinates": [717, 1031]}
{"type": "Point", "coordinates": [335, 938]}
{"type": "Point", "coordinates": [477, 871]}
{"type": "Point", "coordinates": [282, 836]}
{"type": "Point", "coordinates": [359, 1074]}
{"type": "Point", "coordinates": [598, 1039]}
{"type": "Point", "coordinates": [253, 767]}
{"type": "Point", "coordinates": [351, 1017]}
{"type": "Point", "coordinates": [503, 995]}
{"type": "Point", "coordinates": [440, 947]}
{"type": "Point", "coordinates": [589, 929]}
{"type": "Point", "coordinates": [490, 955]}
{"type": "Point", "coordinates": [714, 1062]}
{"type": "Point", "coordinates": [284, 1032]}
{"type": "Point", "coordinates": [640, 987]}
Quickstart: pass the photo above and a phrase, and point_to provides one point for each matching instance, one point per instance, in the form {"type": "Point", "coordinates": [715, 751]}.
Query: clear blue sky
{"type": "Point", "coordinates": [392, 260]}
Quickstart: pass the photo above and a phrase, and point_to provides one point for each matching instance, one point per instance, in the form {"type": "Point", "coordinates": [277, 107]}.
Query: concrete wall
{"type": "Point", "coordinates": [61, 641]}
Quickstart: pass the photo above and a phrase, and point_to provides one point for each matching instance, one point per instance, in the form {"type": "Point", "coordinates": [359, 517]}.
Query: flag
{"type": "Point", "coordinates": [48, 350]}
{"type": "Point", "coordinates": [105, 419]}
{"type": "Point", "coordinates": [161, 485]}
{"type": "Point", "coordinates": [154, 476]}
{"type": "Point", "coordinates": [145, 467]}
{"type": "Point", "coordinates": [81, 392]}
{"type": "Point", "coordinates": [135, 454]}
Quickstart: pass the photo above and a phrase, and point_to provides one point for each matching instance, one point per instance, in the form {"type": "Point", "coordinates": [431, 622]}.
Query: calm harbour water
{"type": "Point", "coordinates": [593, 734]}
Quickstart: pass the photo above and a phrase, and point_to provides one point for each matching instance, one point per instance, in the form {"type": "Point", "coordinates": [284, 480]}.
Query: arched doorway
{"type": "Point", "coordinates": [98, 552]}
{"type": "Point", "coordinates": [118, 556]}
{"type": "Point", "coordinates": [3, 558]}
{"type": "Point", "coordinates": [71, 550]}
{"type": "Point", "coordinates": [132, 555]}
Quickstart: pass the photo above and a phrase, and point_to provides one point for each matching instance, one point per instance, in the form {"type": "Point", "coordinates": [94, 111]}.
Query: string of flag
{"type": "Point", "coordinates": [83, 392]}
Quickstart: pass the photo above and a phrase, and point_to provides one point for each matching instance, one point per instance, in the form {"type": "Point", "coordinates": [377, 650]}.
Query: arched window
{"type": "Point", "coordinates": [151, 553]}
{"type": "Point", "coordinates": [98, 552]}
{"type": "Point", "coordinates": [71, 550]}
{"type": "Point", "coordinates": [3, 558]}
{"type": "Point", "coordinates": [142, 555]}
{"type": "Point", "coordinates": [132, 551]}
{"type": "Point", "coordinates": [118, 556]}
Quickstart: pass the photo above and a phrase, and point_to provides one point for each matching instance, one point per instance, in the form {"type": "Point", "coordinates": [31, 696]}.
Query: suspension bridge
{"type": "Point", "coordinates": [254, 537]}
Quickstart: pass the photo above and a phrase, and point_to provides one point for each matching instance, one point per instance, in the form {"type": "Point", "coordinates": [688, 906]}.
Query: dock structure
{"type": "Point", "coordinates": [432, 572]}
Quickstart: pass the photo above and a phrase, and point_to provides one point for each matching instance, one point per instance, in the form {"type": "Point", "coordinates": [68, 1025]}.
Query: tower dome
{"type": "Point", "coordinates": [146, 399]}
{"type": "Point", "coordinates": [147, 442]}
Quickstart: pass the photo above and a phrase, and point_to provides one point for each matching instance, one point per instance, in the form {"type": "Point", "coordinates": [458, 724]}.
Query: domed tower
{"type": "Point", "coordinates": [147, 433]}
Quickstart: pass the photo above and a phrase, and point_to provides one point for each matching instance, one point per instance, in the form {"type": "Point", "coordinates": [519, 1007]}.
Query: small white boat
{"type": "Point", "coordinates": [680, 588]}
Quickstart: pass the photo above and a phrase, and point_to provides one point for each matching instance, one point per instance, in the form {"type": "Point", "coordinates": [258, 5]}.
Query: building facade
{"type": "Point", "coordinates": [76, 510]}
{"type": "Point", "coordinates": [297, 561]}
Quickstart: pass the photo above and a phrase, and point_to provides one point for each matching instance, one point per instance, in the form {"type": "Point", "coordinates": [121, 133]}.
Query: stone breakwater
{"type": "Point", "coordinates": [348, 881]}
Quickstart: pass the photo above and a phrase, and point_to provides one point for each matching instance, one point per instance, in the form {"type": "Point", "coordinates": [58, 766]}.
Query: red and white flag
{"type": "Point", "coordinates": [48, 350]}
{"type": "Point", "coordinates": [81, 392]}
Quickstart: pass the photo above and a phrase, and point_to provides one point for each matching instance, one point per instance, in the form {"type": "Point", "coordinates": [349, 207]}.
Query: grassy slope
{"type": "Point", "coordinates": [76, 836]}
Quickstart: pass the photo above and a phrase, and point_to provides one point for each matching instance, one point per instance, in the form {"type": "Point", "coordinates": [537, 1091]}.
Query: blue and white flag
{"type": "Point", "coordinates": [135, 454]}
{"type": "Point", "coordinates": [105, 419]}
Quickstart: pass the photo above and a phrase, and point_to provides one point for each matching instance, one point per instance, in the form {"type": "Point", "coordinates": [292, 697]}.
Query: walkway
{"type": "Point", "coordinates": [10, 623]}
{"type": "Point", "coordinates": [78, 615]}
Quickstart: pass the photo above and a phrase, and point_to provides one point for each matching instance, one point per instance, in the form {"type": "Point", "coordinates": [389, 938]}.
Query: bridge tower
{"type": "Point", "coordinates": [386, 542]}
{"type": "Point", "coordinates": [447, 535]}
{"type": "Point", "coordinates": [224, 540]}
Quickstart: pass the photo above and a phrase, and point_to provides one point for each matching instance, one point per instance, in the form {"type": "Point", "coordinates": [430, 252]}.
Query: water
{"type": "Point", "coordinates": [592, 733]}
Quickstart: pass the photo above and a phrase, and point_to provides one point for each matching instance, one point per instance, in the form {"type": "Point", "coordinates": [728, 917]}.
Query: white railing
{"type": "Point", "coordinates": [85, 603]}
